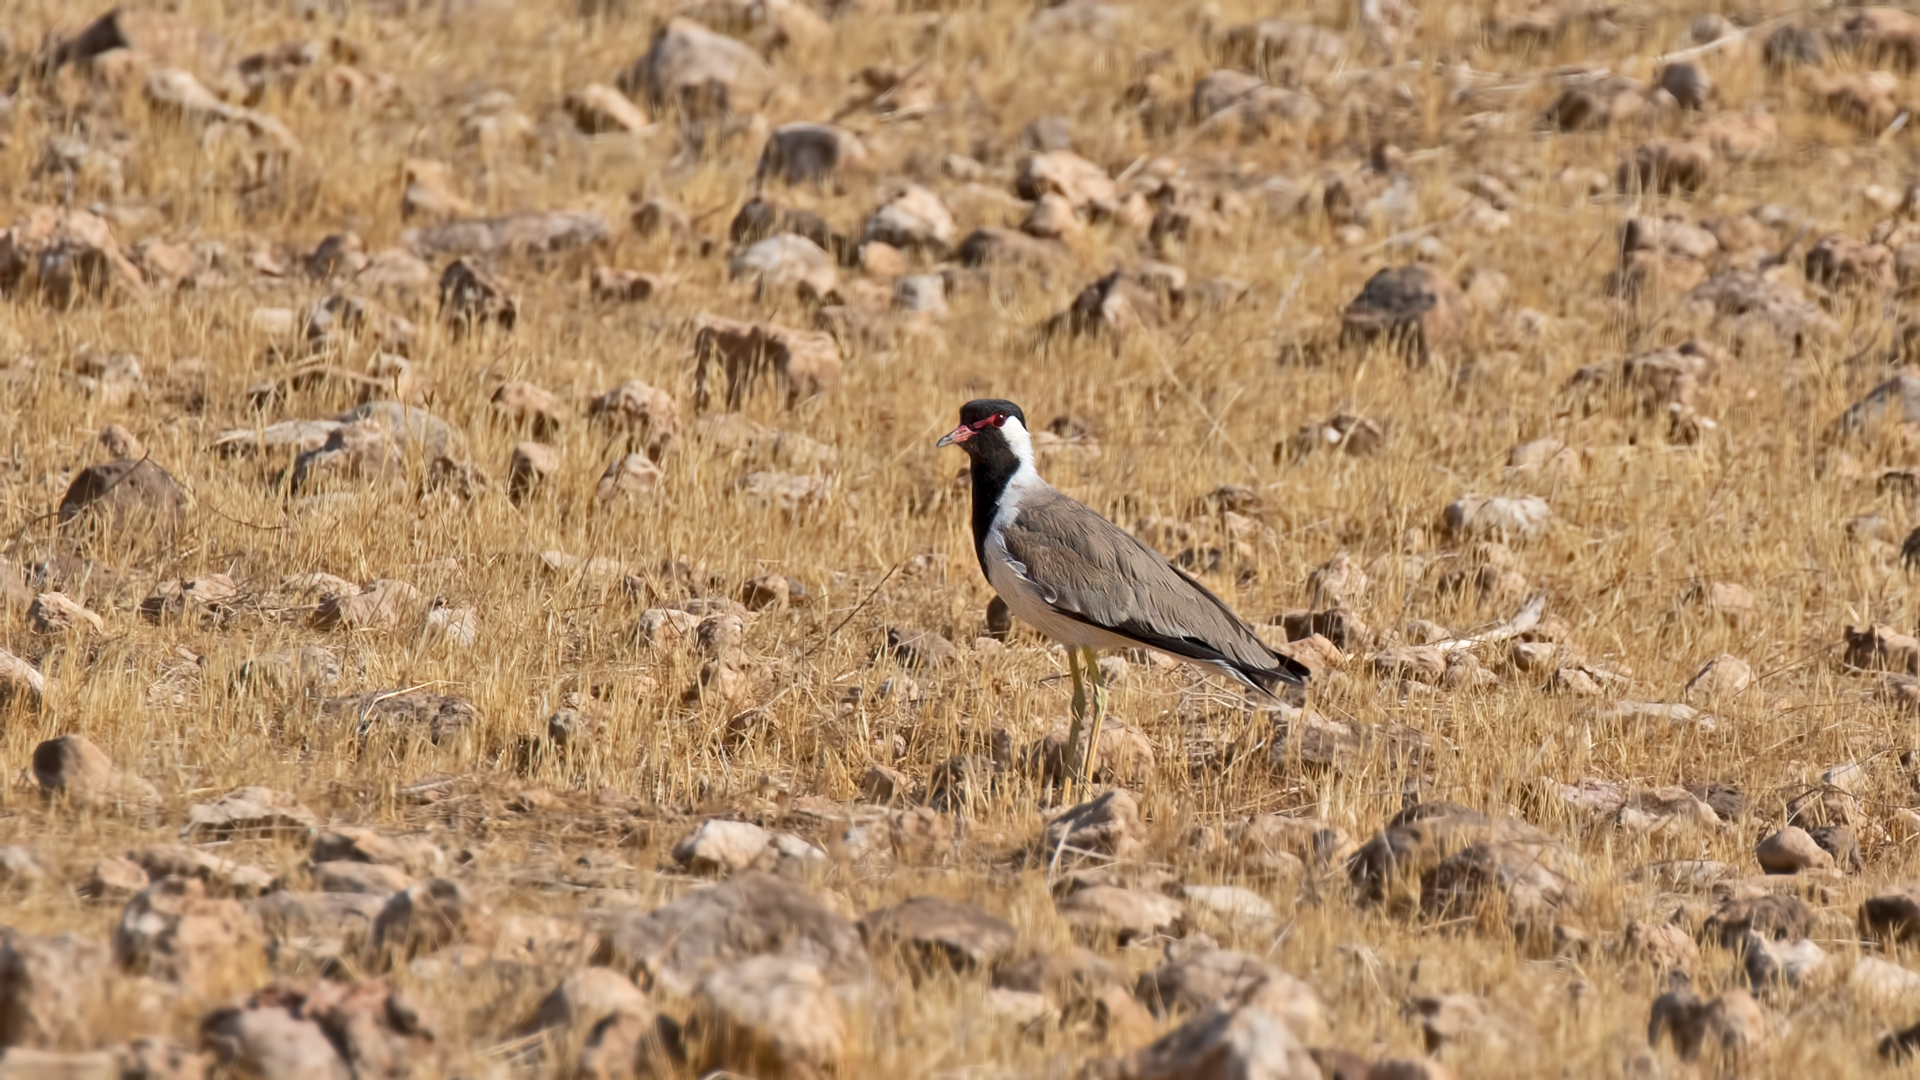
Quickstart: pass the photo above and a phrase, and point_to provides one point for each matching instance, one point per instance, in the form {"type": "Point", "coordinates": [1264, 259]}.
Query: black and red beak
{"type": "Point", "coordinates": [957, 435]}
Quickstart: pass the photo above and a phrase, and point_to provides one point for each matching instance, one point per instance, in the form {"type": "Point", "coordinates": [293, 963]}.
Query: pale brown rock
{"type": "Point", "coordinates": [381, 604]}
{"type": "Point", "coordinates": [269, 1037]}
{"type": "Point", "coordinates": [802, 363]}
{"type": "Point", "coordinates": [1123, 755]}
{"type": "Point", "coordinates": [1664, 946]}
{"type": "Point", "coordinates": [48, 990]}
{"type": "Point", "coordinates": [597, 109]}
{"type": "Point", "coordinates": [173, 930]}
{"type": "Point", "coordinates": [584, 998]}
{"type": "Point", "coordinates": [127, 503]}
{"type": "Point", "coordinates": [1066, 174]}
{"type": "Point", "coordinates": [1732, 1022]}
{"type": "Point", "coordinates": [769, 1016]}
{"type": "Point", "coordinates": [937, 933]}
{"type": "Point", "coordinates": [416, 854]}
{"type": "Point", "coordinates": [471, 297]}
{"type": "Point", "coordinates": [534, 407]}
{"type": "Point", "coordinates": [1111, 913]}
{"type": "Point", "coordinates": [426, 917]}
{"type": "Point", "coordinates": [675, 946]}
{"type": "Point", "coordinates": [633, 477]}
{"type": "Point", "coordinates": [114, 878]}
{"type": "Point", "coordinates": [55, 614]}
{"type": "Point", "coordinates": [1109, 825]}
{"type": "Point", "coordinates": [369, 879]}
{"type": "Point", "coordinates": [1413, 308]}
{"type": "Point", "coordinates": [1226, 1040]}
{"type": "Point", "coordinates": [222, 877]}
{"type": "Point", "coordinates": [250, 812]}
{"type": "Point", "coordinates": [720, 846]}
{"type": "Point", "coordinates": [72, 768]}
{"type": "Point", "coordinates": [1723, 676]}
{"type": "Point", "coordinates": [1194, 981]}
{"type": "Point", "coordinates": [698, 73]}
{"type": "Point", "coordinates": [1791, 851]}
{"type": "Point", "coordinates": [649, 416]}
{"type": "Point", "coordinates": [20, 680]}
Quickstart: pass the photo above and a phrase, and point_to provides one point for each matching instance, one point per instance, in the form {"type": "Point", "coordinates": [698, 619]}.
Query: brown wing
{"type": "Point", "coordinates": [1090, 569]}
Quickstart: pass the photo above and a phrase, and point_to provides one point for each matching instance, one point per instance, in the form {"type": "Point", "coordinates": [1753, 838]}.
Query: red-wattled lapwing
{"type": "Point", "coordinates": [1086, 582]}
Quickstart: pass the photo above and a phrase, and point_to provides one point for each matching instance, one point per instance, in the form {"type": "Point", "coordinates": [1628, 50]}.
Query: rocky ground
{"type": "Point", "coordinates": [478, 597]}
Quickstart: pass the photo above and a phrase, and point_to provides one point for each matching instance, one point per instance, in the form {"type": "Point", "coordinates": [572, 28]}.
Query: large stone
{"type": "Point", "coordinates": [584, 998]}
{"type": "Point", "coordinates": [1499, 517]}
{"type": "Point", "coordinates": [376, 1029]}
{"type": "Point", "coordinates": [1731, 1023]}
{"type": "Point", "coordinates": [1526, 884]}
{"type": "Point", "coordinates": [1767, 963]}
{"type": "Point", "coordinates": [251, 812]}
{"type": "Point", "coordinates": [803, 363]}
{"type": "Point", "coordinates": [934, 932]}
{"type": "Point", "coordinates": [648, 416]}
{"type": "Point", "coordinates": [20, 681]}
{"type": "Point", "coordinates": [56, 614]}
{"type": "Point", "coordinates": [221, 877]}
{"type": "Point", "coordinates": [541, 232]}
{"type": "Point", "coordinates": [810, 153]}
{"type": "Point", "coordinates": [751, 914]}
{"type": "Point", "coordinates": [270, 1038]}
{"type": "Point", "coordinates": [402, 714]}
{"type": "Point", "coordinates": [1791, 851]}
{"type": "Point", "coordinates": [1892, 915]}
{"type": "Point", "coordinates": [48, 990]}
{"type": "Point", "coordinates": [1201, 977]}
{"type": "Point", "coordinates": [1109, 825]}
{"type": "Point", "coordinates": [380, 604]}
{"type": "Point", "coordinates": [1877, 983]}
{"type": "Point", "coordinates": [786, 264]}
{"type": "Point", "coordinates": [173, 930]}
{"type": "Point", "coordinates": [416, 854]}
{"type": "Point", "coordinates": [1417, 841]}
{"type": "Point", "coordinates": [430, 915]}
{"type": "Point", "coordinates": [1412, 308]}
{"type": "Point", "coordinates": [1776, 917]}
{"type": "Point", "coordinates": [1228, 1040]}
{"type": "Point", "coordinates": [631, 477]}
{"type": "Point", "coordinates": [370, 879]}
{"type": "Point", "coordinates": [124, 503]}
{"type": "Point", "coordinates": [768, 1016]}
{"type": "Point", "coordinates": [720, 846]}
{"type": "Point", "coordinates": [1122, 915]}
{"type": "Point", "coordinates": [1066, 174]}
{"type": "Point", "coordinates": [912, 219]}
{"type": "Point", "coordinates": [354, 455]}
{"type": "Point", "coordinates": [72, 768]}
{"type": "Point", "coordinates": [697, 72]}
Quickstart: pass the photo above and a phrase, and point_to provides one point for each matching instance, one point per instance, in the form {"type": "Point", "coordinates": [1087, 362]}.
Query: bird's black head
{"type": "Point", "coordinates": [983, 430]}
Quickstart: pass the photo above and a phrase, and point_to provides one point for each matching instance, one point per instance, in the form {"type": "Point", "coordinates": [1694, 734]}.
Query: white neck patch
{"type": "Point", "coordinates": [1022, 445]}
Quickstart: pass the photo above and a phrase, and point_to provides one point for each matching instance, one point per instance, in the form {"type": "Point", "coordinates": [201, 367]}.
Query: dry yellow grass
{"type": "Point", "coordinates": [1761, 499]}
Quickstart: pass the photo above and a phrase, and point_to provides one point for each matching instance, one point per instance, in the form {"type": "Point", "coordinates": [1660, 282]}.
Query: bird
{"type": "Point", "coordinates": [1089, 584]}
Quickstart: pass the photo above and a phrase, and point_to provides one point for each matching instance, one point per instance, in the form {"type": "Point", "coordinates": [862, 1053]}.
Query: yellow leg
{"type": "Point", "coordinates": [1072, 757]}
{"type": "Point", "coordinates": [1099, 714]}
